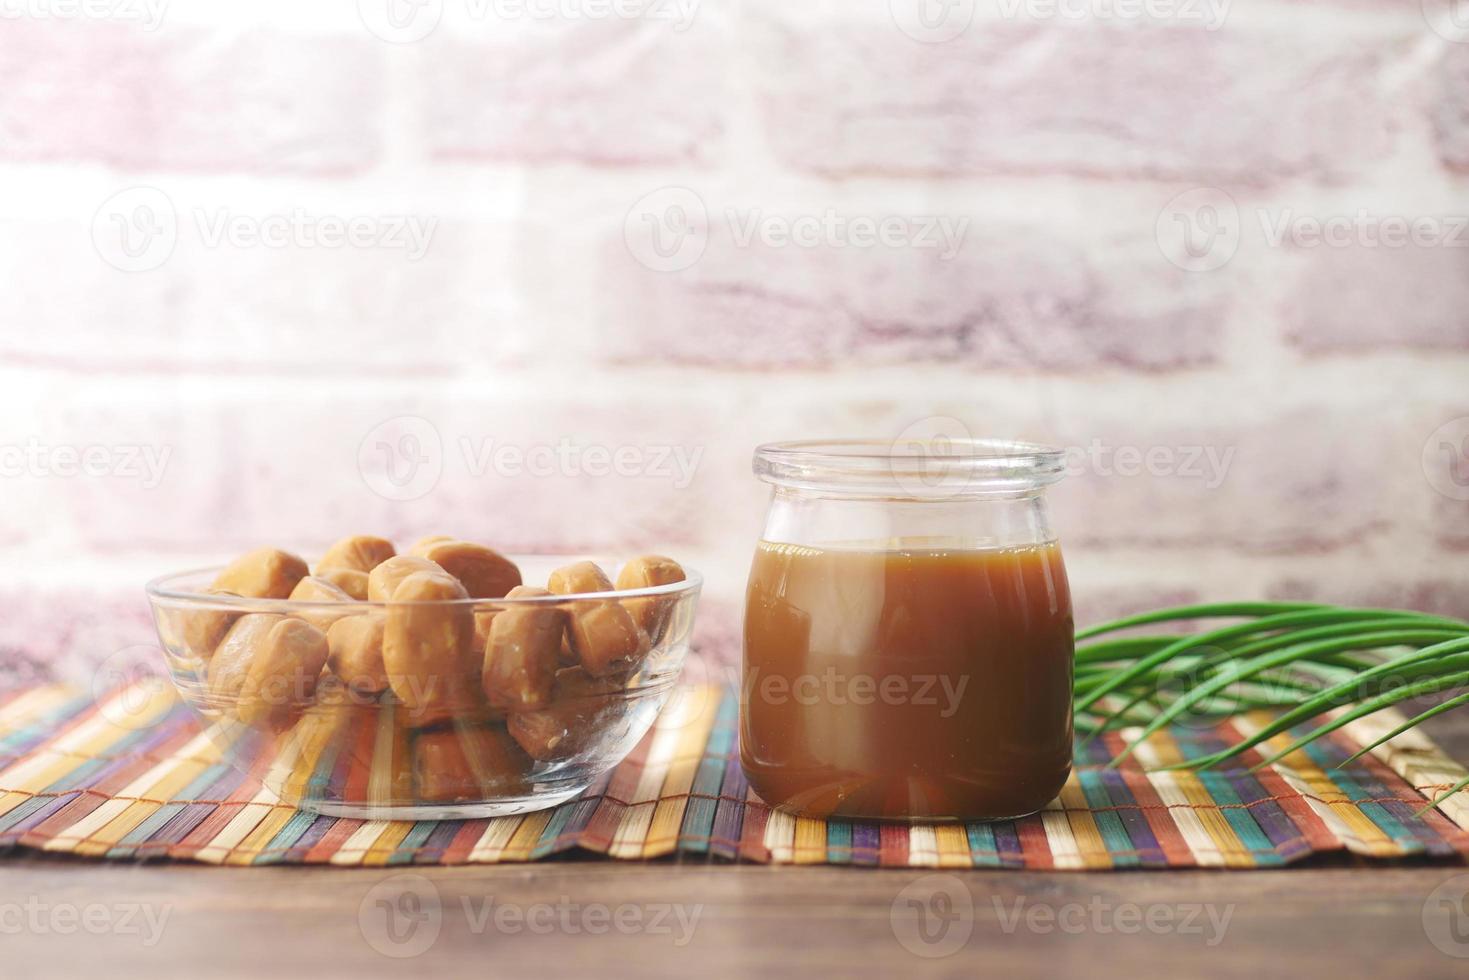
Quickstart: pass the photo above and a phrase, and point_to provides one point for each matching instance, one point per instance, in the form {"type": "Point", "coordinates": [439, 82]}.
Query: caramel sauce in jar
{"type": "Point", "coordinates": [907, 683]}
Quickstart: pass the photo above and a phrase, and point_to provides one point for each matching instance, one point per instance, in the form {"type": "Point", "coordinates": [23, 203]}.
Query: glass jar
{"type": "Point", "coordinates": [908, 637]}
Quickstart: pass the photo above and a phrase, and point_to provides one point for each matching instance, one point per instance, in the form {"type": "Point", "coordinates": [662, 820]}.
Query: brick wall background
{"type": "Point", "coordinates": [257, 244]}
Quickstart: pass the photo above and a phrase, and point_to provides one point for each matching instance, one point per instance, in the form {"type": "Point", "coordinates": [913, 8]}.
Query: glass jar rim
{"type": "Point", "coordinates": [923, 469]}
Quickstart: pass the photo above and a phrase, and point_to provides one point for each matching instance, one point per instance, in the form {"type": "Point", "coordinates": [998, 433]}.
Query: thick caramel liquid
{"type": "Point", "coordinates": [907, 684]}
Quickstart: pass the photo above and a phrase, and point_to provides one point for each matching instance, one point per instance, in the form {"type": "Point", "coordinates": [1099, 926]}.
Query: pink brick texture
{"type": "Point", "coordinates": [1260, 429]}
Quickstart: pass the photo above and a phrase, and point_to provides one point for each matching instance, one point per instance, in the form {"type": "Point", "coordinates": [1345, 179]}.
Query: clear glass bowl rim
{"type": "Point", "coordinates": [162, 590]}
{"type": "Point", "coordinates": [979, 465]}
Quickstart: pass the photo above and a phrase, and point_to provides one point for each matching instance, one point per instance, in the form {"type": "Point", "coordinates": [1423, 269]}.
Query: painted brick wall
{"type": "Point", "coordinates": [274, 274]}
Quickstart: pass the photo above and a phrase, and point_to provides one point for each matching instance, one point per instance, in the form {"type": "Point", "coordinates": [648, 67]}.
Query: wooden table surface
{"type": "Point", "coordinates": [66, 917]}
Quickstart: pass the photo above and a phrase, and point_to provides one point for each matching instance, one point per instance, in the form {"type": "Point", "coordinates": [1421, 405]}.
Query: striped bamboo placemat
{"type": "Point", "coordinates": [79, 777]}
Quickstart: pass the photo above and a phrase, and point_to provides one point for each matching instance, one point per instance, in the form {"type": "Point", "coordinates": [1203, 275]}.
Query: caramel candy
{"type": "Point", "coordinates": [486, 573]}
{"type": "Point", "coordinates": [428, 649]}
{"type": "Point", "coordinates": [283, 671]}
{"type": "Point", "coordinates": [581, 577]}
{"type": "Point", "coordinates": [232, 658]}
{"type": "Point", "coordinates": [606, 639]}
{"type": "Point", "coordinates": [361, 552]}
{"type": "Point", "coordinates": [603, 634]}
{"type": "Point", "coordinates": [421, 547]}
{"type": "Point", "coordinates": [523, 653]}
{"type": "Point", "coordinates": [385, 578]}
{"type": "Point", "coordinates": [463, 764]}
{"type": "Point", "coordinates": [650, 612]}
{"type": "Point", "coordinates": [267, 573]}
{"type": "Point", "coordinates": [319, 590]}
{"type": "Point", "coordinates": [483, 620]}
{"type": "Point", "coordinates": [582, 707]}
{"type": "Point", "coordinates": [349, 580]}
{"type": "Point", "coordinates": [356, 652]}
{"type": "Point", "coordinates": [334, 693]}
{"type": "Point", "coordinates": [199, 631]}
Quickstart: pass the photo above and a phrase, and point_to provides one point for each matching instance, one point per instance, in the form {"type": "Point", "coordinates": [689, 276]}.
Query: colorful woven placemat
{"type": "Point", "coordinates": [73, 780]}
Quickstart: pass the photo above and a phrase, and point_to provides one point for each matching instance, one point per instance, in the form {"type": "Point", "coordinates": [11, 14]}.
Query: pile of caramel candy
{"type": "Point", "coordinates": [475, 695]}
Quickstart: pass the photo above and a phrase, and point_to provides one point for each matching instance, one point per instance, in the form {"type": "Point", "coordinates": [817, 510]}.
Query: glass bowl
{"type": "Point", "coordinates": [343, 749]}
